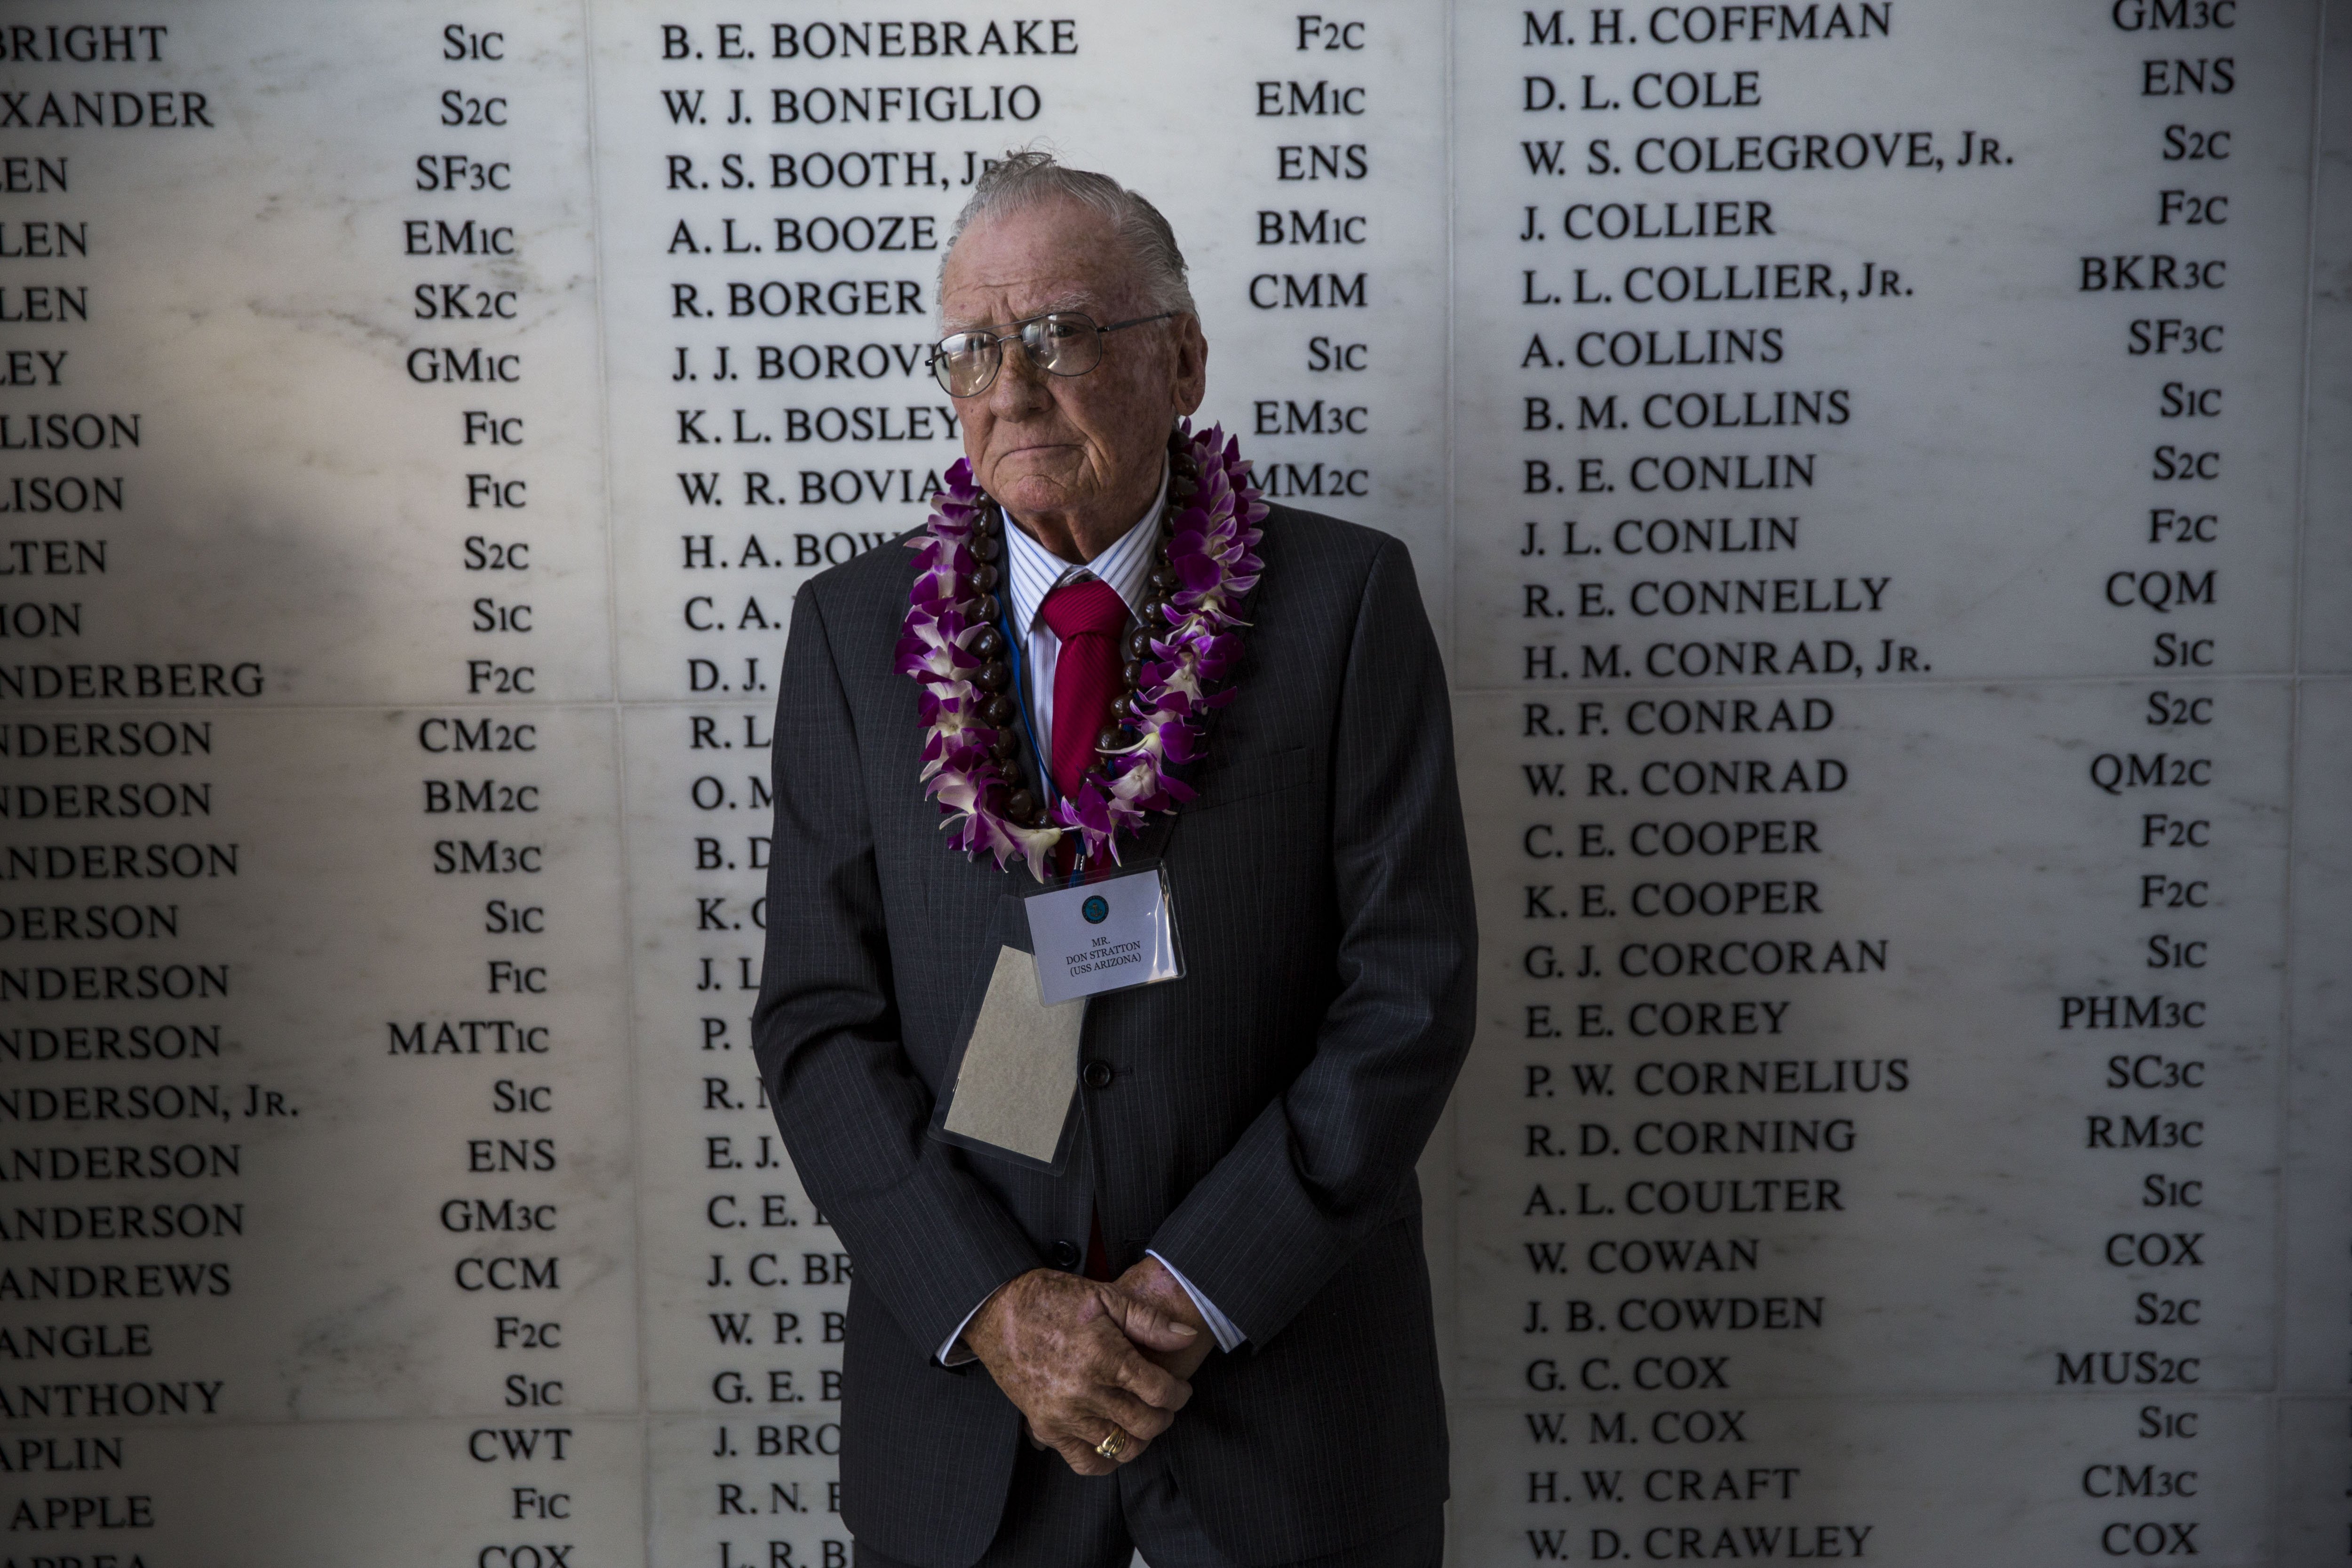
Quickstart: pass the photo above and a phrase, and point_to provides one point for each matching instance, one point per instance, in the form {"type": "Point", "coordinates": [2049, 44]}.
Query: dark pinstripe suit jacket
{"type": "Point", "coordinates": [1265, 1112]}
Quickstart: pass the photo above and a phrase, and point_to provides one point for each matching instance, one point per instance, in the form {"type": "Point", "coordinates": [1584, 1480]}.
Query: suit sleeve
{"type": "Point", "coordinates": [928, 1239]}
{"type": "Point", "coordinates": [1324, 1165]}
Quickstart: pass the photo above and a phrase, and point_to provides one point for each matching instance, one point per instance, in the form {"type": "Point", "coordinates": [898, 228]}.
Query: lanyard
{"type": "Point", "coordinates": [1019, 650]}
{"type": "Point", "coordinates": [1018, 646]}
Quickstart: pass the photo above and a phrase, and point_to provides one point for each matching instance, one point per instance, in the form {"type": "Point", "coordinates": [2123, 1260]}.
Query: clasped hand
{"type": "Point", "coordinates": [1084, 1358]}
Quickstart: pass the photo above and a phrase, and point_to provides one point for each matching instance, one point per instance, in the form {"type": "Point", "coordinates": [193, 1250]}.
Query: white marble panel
{"type": "Point", "coordinates": [267, 297]}
{"type": "Point", "coordinates": [515, 1493]}
{"type": "Point", "coordinates": [2315, 1350]}
{"type": "Point", "coordinates": [2327, 431]}
{"type": "Point", "coordinates": [823, 162]}
{"type": "Point", "coordinates": [2319, 1097]}
{"type": "Point", "coordinates": [2314, 1450]}
{"type": "Point", "coordinates": [1936, 1483]}
{"type": "Point", "coordinates": [358, 1093]}
{"type": "Point", "coordinates": [1947, 412]}
{"type": "Point", "coordinates": [383, 1173]}
{"type": "Point", "coordinates": [747, 1489]}
{"type": "Point", "coordinates": [745, 1285]}
{"type": "Point", "coordinates": [1938, 1146]}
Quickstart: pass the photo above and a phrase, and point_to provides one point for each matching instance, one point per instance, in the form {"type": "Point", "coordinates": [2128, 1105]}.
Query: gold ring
{"type": "Point", "coordinates": [1112, 1447]}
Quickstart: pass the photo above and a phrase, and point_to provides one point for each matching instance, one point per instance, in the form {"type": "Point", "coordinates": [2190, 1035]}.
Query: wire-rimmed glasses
{"type": "Point", "coordinates": [1059, 343]}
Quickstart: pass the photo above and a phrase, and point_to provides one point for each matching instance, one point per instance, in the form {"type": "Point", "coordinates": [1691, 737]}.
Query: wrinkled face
{"type": "Point", "coordinates": [1080, 455]}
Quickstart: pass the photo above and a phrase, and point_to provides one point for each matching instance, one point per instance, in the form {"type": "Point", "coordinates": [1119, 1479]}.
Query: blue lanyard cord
{"type": "Point", "coordinates": [1018, 648]}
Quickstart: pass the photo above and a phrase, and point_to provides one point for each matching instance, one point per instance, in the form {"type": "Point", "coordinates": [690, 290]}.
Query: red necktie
{"type": "Point", "coordinates": [1090, 618]}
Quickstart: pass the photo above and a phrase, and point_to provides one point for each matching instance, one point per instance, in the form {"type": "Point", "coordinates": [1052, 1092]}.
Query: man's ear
{"type": "Point", "coordinates": [1190, 383]}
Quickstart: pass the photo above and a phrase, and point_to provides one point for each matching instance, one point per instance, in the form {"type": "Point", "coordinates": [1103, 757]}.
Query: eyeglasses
{"type": "Point", "coordinates": [1059, 343]}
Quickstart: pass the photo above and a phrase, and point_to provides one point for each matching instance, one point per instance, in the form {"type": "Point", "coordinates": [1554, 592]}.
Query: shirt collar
{"type": "Point", "coordinates": [1033, 570]}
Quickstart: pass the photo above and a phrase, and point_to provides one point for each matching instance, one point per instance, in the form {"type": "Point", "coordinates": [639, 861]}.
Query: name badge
{"type": "Point", "coordinates": [1116, 929]}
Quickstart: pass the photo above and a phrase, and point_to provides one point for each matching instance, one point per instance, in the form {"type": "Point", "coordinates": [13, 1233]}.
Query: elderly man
{"type": "Point", "coordinates": [1198, 1323]}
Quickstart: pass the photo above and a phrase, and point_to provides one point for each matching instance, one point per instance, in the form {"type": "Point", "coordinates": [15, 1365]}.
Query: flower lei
{"type": "Point", "coordinates": [1187, 640]}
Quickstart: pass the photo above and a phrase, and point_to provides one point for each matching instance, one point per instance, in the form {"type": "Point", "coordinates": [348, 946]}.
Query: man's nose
{"type": "Point", "coordinates": [1022, 387]}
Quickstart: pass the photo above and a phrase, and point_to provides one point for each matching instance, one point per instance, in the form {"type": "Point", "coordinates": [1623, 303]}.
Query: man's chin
{"type": "Point", "coordinates": [1032, 491]}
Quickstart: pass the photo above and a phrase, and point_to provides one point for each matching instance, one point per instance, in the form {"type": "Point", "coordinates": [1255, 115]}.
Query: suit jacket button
{"type": "Point", "coordinates": [1068, 1255]}
{"type": "Point", "coordinates": [1095, 1074]}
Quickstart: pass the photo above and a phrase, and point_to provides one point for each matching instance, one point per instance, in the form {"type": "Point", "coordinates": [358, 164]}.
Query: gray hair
{"type": "Point", "coordinates": [1031, 178]}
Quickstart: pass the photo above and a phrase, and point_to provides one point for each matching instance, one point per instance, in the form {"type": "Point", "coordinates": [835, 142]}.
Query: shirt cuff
{"type": "Point", "coordinates": [1229, 1334]}
{"type": "Point", "coordinates": [950, 1354]}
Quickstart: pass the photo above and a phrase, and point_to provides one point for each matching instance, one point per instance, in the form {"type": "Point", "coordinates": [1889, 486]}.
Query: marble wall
{"type": "Point", "coordinates": [1880, 470]}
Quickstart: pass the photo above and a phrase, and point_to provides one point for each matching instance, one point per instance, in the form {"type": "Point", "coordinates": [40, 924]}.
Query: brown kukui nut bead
{"type": "Point", "coordinates": [989, 608]}
{"type": "Point", "coordinates": [985, 579]}
{"type": "Point", "coordinates": [1132, 673]}
{"type": "Point", "coordinates": [998, 710]}
{"type": "Point", "coordinates": [1021, 806]}
{"type": "Point", "coordinates": [993, 675]}
{"type": "Point", "coordinates": [984, 548]}
{"type": "Point", "coordinates": [988, 644]}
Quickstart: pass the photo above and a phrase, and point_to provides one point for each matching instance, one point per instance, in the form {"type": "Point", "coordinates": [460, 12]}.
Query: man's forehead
{"type": "Point", "coordinates": [1058, 256]}
{"type": "Point", "coordinates": [997, 304]}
